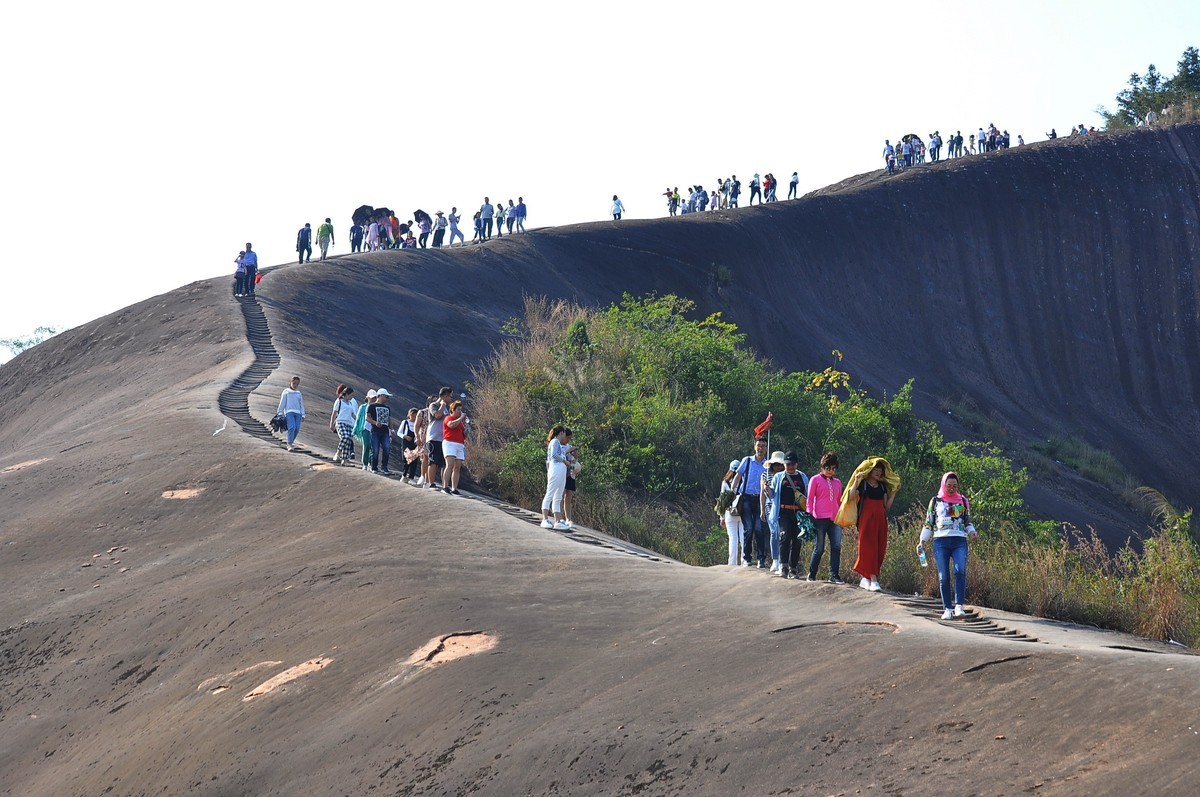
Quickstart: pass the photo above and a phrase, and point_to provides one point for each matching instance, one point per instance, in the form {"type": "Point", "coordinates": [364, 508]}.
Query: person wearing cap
{"type": "Point", "coordinates": [789, 486]}
{"type": "Point", "coordinates": [439, 229]}
{"type": "Point", "coordinates": [378, 416]}
{"type": "Point", "coordinates": [341, 420]}
{"type": "Point", "coordinates": [291, 407]}
{"type": "Point", "coordinates": [766, 506]}
{"type": "Point", "coordinates": [362, 429]}
{"type": "Point", "coordinates": [748, 481]}
{"type": "Point", "coordinates": [325, 237]}
{"type": "Point", "coordinates": [730, 520]}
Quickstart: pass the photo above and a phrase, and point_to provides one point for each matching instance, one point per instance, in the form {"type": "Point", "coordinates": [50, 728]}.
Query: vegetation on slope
{"type": "Point", "coordinates": [660, 403]}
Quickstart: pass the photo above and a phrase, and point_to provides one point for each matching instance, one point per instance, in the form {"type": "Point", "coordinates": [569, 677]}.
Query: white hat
{"type": "Point", "coordinates": [777, 458]}
{"type": "Point", "coordinates": [371, 394]}
{"type": "Point", "coordinates": [383, 391]}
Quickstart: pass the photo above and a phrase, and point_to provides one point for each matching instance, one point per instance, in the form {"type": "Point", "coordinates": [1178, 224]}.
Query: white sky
{"type": "Point", "coordinates": [149, 140]}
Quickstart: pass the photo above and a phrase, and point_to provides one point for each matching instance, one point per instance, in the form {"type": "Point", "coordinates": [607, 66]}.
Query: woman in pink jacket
{"type": "Point", "coordinates": [824, 497]}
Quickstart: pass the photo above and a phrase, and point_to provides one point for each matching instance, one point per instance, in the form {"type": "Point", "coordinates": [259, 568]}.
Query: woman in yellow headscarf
{"type": "Point", "coordinates": [868, 496]}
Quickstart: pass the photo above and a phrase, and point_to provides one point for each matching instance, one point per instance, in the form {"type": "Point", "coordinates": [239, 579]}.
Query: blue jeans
{"type": "Point", "coordinates": [946, 549]}
{"type": "Point", "coordinates": [293, 424]}
{"type": "Point", "coordinates": [381, 443]}
{"type": "Point", "coordinates": [754, 535]}
{"type": "Point", "coordinates": [827, 528]}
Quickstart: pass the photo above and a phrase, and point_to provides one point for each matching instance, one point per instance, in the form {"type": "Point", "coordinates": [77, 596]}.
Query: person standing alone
{"type": "Point", "coordinates": [304, 242]}
{"type": "Point", "coordinates": [485, 215]}
{"type": "Point", "coordinates": [618, 208]}
{"type": "Point", "coordinates": [325, 237]}
{"type": "Point", "coordinates": [291, 407]}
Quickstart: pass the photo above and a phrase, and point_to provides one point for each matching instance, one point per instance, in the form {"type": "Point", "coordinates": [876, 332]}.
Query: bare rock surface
{"type": "Point", "coordinates": [290, 630]}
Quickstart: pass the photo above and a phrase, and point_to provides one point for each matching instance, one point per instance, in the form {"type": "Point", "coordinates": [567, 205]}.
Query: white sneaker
{"type": "Point", "coordinates": [560, 526]}
{"type": "Point", "coordinates": [776, 567]}
{"type": "Point", "coordinates": [570, 524]}
{"type": "Point", "coordinates": [946, 614]}
{"type": "Point", "coordinates": [547, 523]}
{"type": "Point", "coordinates": [875, 586]}
{"type": "Point", "coordinates": [958, 610]}
{"type": "Point", "coordinates": [865, 583]}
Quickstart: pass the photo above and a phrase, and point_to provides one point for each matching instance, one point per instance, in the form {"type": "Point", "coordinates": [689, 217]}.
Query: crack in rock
{"type": "Point", "coordinates": [979, 667]}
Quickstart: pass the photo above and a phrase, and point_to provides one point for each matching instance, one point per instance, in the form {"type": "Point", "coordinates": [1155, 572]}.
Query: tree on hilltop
{"type": "Point", "coordinates": [1155, 92]}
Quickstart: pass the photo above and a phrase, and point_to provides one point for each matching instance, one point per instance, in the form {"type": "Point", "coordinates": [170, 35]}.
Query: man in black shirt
{"type": "Point", "coordinates": [378, 416]}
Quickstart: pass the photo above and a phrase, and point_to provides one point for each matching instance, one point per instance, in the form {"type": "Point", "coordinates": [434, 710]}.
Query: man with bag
{"type": "Point", "coordinates": [747, 485]}
{"type": "Point", "coordinates": [790, 487]}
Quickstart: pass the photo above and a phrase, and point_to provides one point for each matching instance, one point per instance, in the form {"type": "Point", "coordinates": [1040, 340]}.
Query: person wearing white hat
{"type": "Point", "coordinates": [378, 415]}
{"type": "Point", "coordinates": [362, 429]}
{"type": "Point", "coordinates": [766, 500]}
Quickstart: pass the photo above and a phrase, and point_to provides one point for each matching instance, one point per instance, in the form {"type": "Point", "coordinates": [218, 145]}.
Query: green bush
{"type": "Point", "coordinates": [659, 404]}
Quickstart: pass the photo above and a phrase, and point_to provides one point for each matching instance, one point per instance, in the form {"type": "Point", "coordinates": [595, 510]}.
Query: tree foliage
{"type": "Point", "coordinates": [660, 402]}
{"type": "Point", "coordinates": [1156, 92]}
{"type": "Point", "coordinates": [18, 345]}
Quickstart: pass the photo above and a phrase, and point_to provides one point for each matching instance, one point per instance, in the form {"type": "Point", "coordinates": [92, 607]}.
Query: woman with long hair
{"type": "Point", "coordinates": [454, 446]}
{"type": "Point", "coordinates": [556, 478]}
{"type": "Point", "coordinates": [341, 420]}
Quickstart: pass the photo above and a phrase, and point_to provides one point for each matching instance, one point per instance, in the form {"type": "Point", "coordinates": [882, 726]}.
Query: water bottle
{"type": "Point", "coordinates": [921, 555]}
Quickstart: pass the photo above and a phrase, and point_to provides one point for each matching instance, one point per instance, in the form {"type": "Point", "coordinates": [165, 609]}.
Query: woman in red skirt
{"type": "Point", "coordinates": [875, 495]}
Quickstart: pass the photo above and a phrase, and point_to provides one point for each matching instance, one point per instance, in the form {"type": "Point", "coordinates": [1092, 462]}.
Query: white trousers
{"type": "Point", "coordinates": [733, 525]}
{"type": "Point", "coordinates": [556, 484]}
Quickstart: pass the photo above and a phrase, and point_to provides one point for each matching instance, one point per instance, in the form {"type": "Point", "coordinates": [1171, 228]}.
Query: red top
{"type": "Point", "coordinates": [456, 433]}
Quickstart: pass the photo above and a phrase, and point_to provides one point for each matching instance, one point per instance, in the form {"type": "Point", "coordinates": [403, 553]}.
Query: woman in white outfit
{"type": "Point", "coordinates": [556, 478]}
{"type": "Point", "coordinates": [732, 522]}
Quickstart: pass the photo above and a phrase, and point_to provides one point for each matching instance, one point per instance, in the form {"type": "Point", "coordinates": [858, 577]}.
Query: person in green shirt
{"type": "Point", "coordinates": [325, 238]}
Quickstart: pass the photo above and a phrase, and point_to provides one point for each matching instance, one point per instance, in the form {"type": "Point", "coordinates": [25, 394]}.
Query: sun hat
{"type": "Point", "coordinates": [776, 458]}
{"type": "Point", "coordinates": [383, 391]}
{"type": "Point", "coordinates": [371, 393]}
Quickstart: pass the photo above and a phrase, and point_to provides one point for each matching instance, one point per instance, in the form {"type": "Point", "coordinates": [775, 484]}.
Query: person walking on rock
{"type": "Point", "coordinates": [500, 213]}
{"type": "Point", "coordinates": [341, 420]}
{"type": "Point", "coordinates": [730, 519]}
{"type": "Point", "coordinates": [362, 430]}
{"type": "Point", "coordinates": [748, 481]}
{"type": "Point", "coordinates": [794, 186]}
{"type": "Point", "coordinates": [789, 487]}
{"type": "Point", "coordinates": [239, 275]}
{"type": "Point", "coordinates": [510, 215]}
{"type": "Point", "coordinates": [485, 215]}
{"type": "Point", "coordinates": [291, 407]}
{"type": "Point", "coordinates": [618, 208]}
{"type": "Point", "coordinates": [304, 242]}
{"type": "Point", "coordinates": [379, 417]}
{"type": "Point", "coordinates": [755, 189]}
{"type": "Point", "coordinates": [325, 238]}
{"type": "Point", "coordinates": [439, 229]}
{"type": "Point", "coordinates": [250, 261]}
{"type": "Point", "coordinates": [948, 523]}
{"type": "Point", "coordinates": [356, 238]}
{"type": "Point", "coordinates": [824, 498]}
{"type": "Point", "coordinates": [521, 214]}
{"type": "Point", "coordinates": [873, 488]}
{"type": "Point", "coordinates": [769, 508]}
{"type": "Point", "coordinates": [454, 231]}
{"type": "Point", "coordinates": [556, 478]}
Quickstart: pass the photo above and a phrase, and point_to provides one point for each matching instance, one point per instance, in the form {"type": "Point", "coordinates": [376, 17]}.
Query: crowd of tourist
{"type": "Point", "coordinates": [432, 439]}
{"type": "Point", "coordinates": [727, 193]}
{"type": "Point", "coordinates": [770, 508]}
